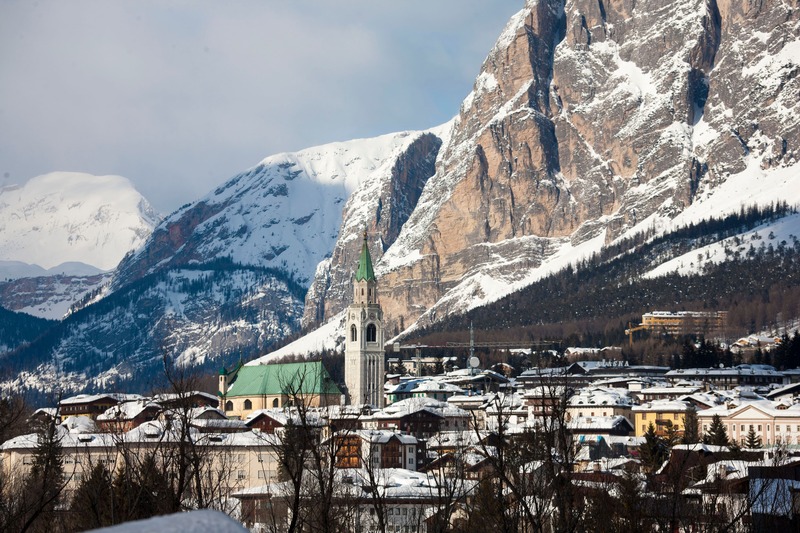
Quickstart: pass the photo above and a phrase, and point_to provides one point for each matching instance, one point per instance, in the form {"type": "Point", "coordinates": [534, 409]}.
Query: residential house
{"type": "Point", "coordinates": [662, 414]}
{"type": "Point", "coordinates": [599, 402]}
{"type": "Point", "coordinates": [92, 405]}
{"type": "Point", "coordinates": [378, 449]}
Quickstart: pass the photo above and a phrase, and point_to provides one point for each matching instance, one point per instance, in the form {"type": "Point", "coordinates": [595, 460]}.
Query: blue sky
{"type": "Point", "coordinates": [178, 96]}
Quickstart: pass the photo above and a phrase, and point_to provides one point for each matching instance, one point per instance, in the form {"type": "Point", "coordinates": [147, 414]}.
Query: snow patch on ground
{"type": "Point", "coordinates": [201, 520]}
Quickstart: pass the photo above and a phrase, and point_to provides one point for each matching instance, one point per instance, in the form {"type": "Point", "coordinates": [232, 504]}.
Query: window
{"type": "Point", "coordinates": [353, 333]}
{"type": "Point", "coordinates": [229, 405]}
{"type": "Point", "coordinates": [262, 474]}
{"type": "Point", "coordinates": [372, 333]}
{"type": "Point", "coordinates": [248, 404]}
{"type": "Point", "coordinates": [759, 427]}
{"type": "Point", "coordinates": [275, 403]}
{"type": "Point", "coordinates": [741, 428]}
{"type": "Point", "coordinates": [241, 474]}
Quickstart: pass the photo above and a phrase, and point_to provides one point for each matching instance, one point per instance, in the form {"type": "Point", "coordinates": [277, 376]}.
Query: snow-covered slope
{"type": "Point", "coordinates": [283, 213]}
{"type": "Point", "coordinates": [66, 217]}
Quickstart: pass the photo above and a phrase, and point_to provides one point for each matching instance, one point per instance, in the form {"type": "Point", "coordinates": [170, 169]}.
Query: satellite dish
{"type": "Point", "coordinates": [474, 362]}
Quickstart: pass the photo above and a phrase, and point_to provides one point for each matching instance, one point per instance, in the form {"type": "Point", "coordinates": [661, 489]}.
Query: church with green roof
{"type": "Point", "coordinates": [251, 388]}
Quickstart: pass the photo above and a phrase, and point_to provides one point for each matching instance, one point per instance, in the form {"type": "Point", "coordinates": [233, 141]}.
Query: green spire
{"type": "Point", "coordinates": [365, 272]}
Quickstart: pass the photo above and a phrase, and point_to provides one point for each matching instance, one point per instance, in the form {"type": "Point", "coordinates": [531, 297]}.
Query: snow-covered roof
{"type": "Point", "coordinates": [405, 386]}
{"type": "Point", "coordinates": [775, 409]}
{"type": "Point", "coordinates": [171, 397]}
{"type": "Point", "coordinates": [90, 398]}
{"type": "Point", "coordinates": [601, 396]}
{"type": "Point", "coordinates": [597, 423]}
{"type": "Point", "coordinates": [127, 410]}
{"type": "Point", "coordinates": [437, 386]}
{"type": "Point", "coordinates": [740, 370]}
{"type": "Point", "coordinates": [79, 424]}
{"type": "Point", "coordinates": [413, 405]}
{"type": "Point", "coordinates": [660, 406]}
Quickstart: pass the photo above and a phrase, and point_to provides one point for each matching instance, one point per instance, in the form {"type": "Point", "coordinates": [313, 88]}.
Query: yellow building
{"type": "Point", "coordinates": [660, 413]}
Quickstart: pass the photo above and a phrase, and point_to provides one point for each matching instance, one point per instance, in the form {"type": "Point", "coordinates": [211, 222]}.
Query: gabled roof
{"type": "Point", "coordinates": [365, 272]}
{"type": "Point", "coordinates": [275, 379]}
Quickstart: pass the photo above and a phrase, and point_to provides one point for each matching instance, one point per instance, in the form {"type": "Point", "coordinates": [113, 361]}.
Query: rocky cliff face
{"type": "Point", "coordinates": [50, 297]}
{"type": "Point", "coordinates": [590, 119]}
{"type": "Point", "coordinates": [380, 208]}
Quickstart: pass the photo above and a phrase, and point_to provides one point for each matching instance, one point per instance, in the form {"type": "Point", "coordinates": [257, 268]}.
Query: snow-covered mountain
{"type": "Point", "coordinates": [225, 277]}
{"type": "Point", "coordinates": [60, 232]}
{"type": "Point", "coordinates": [592, 121]}
{"type": "Point", "coordinates": [283, 213]}
{"type": "Point", "coordinates": [70, 217]}
{"type": "Point", "coordinates": [589, 122]}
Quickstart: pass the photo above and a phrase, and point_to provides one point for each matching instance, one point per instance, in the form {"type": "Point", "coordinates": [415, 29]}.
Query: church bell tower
{"type": "Point", "coordinates": [364, 355]}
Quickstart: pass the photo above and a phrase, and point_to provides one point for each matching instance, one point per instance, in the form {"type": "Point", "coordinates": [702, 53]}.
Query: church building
{"type": "Point", "coordinates": [364, 354]}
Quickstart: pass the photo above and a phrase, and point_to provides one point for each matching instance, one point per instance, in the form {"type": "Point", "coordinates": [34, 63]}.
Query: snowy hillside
{"type": "Point", "coordinates": [65, 217]}
{"type": "Point", "coordinates": [202, 316]}
{"type": "Point", "coordinates": [283, 213]}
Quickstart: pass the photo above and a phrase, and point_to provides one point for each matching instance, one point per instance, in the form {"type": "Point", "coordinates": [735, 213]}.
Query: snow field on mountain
{"type": "Point", "coordinates": [286, 212]}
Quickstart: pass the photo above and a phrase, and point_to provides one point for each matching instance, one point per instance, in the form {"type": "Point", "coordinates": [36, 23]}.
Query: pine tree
{"type": "Point", "coordinates": [716, 434]}
{"type": "Point", "coordinates": [653, 450]}
{"type": "Point", "coordinates": [691, 434]}
{"type": "Point", "coordinates": [92, 504]}
{"type": "Point", "coordinates": [45, 484]}
{"type": "Point", "coordinates": [752, 440]}
{"type": "Point", "coordinates": [671, 435]}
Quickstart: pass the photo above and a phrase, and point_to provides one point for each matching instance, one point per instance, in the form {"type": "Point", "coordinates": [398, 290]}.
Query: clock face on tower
{"type": "Point", "coordinates": [372, 316]}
